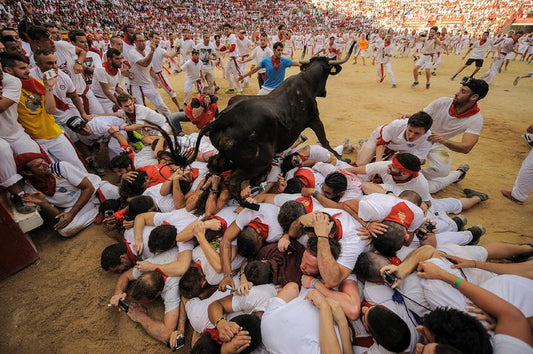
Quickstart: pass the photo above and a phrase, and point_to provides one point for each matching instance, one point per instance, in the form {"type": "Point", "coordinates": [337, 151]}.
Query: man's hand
{"type": "Point", "coordinates": [307, 280]}
{"type": "Point", "coordinates": [226, 281]}
{"type": "Point", "coordinates": [316, 298]}
{"type": "Point", "coordinates": [428, 270]}
{"type": "Point", "coordinates": [128, 224]}
{"type": "Point", "coordinates": [436, 138]}
{"type": "Point", "coordinates": [244, 288]}
{"type": "Point", "coordinates": [282, 184]}
{"type": "Point", "coordinates": [36, 198]}
{"type": "Point", "coordinates": [130, 176]}
{"type": "Point", "coordinates": [283, 243]}
{"type": "Point", "coordinates": [145, 266]}
{"type": "Point", "coordinates": [64, 219]}
{"type": "Point", "coordinates": [198, 229]}
{"type": "Point", "coordinates": [49, 83]}
{"type": "Point", "coordinates": [237, 344]}
{"type": "Point", "coordinates": [392, 269]}
{"type": "Point", "coordinates": [336, 309]}
{"type": "Point", "coordinates": [135, 312]}
{"type": "Point", "coordinates": [138, 247]}
{"type": "Point", "coordinates": [307, 191]}
{"type": "Point", "coordinates": [227, 330]}
{"type": "Point", "coordinates": [78, 68]}
{"type": "Point", "coordinates": [459, 262]}
{"type": "Point", "coordinates": [114, 299]}
{"type": "Point", "coordinates": [322, 224]}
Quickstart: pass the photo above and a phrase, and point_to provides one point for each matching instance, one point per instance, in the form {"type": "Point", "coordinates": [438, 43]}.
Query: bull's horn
{"type": "Point", "coordinates": [302, 61]}
{"type": "Point", "coordinates": [345, 59]}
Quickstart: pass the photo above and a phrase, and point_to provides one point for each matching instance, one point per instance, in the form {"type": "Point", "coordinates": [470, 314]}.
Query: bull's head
{"type": "Point", "coordinates": [329, 67]}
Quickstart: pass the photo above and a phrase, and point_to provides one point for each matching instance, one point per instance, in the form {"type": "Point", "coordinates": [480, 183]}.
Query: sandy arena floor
{"type": "Point", "coordinates": [59, 304]}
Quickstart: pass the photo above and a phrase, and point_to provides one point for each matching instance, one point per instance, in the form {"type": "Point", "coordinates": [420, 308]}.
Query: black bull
{"type": "Point", "coordinates": [252, 129]}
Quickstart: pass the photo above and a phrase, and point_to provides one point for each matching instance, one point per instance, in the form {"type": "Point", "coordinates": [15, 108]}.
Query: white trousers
{"type": "Point", "coordinates": [141, 93]}
{"type": "Point", "coordinates": [524, 179]}
{"type": "Point", "coordinates": [232, 69]}
{"type": "Point", "coordinates": [381, 72]}
{"type": "Point", "coordinates": [61, 149]}
{"type": "Point", "coordinates": [494, 69]}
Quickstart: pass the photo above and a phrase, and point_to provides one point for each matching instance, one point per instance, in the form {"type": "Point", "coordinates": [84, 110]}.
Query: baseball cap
{"type": "Point", "coordinates": [76, 123]}
{"type": "Point", "coordinates": [480, 87]}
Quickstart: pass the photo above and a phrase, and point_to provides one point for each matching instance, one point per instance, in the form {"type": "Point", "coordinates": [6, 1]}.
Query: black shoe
{"type": "Point", "coordinates": [20, 206]}
{"type": "Point", "coordinates": [414, 84]}
{"type": "Point", "coordinates": [463, 168]}
{"type": "Point", "coordinates": [477, 231]}
{"type": "Point", "coordinates": [472, 193]}
{"type": "Point", "coordinates": [460, 221]}
{"type": "Point", "coordinates": [524, 256]}
{"type": "Point", "coordinates": [428, 86]}
{"type": "Point", "coordinates": [433, 73]}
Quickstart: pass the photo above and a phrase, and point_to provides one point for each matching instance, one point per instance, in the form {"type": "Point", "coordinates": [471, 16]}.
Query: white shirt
{"type": "Point", "coordinates": [205, 52]}
{"type": "Point", "coordinates": [192, 69]}
{"type": "Point", "coordinates": [448, 126]}
{"type": "Point", "coordinates": [99, 127]}
{"type": "Point", "coordinates": [353, 188]}
{"type": "Point", "coordinates": [394, 134]}
{"type": "Point", "coordinates": [170, 293]}
{"type": "Point", "coordinates": [256, 300]}
{"type": "Point", "coordinates": [165, 203]}
{"type": "Point", "coordinates": [129, 236]}
{"type": "Point", "coordinates": [267, 214]}
{"type": "Point", "coordinates": [180, 219]}
{"type": "Point", "coordinates": [505, 344]}
{"type": "Point", "coordinates": [66, 59]}
{"type": "Point", "coordinates": [479, 50]}
{"type": "Point", "coordinates": [244, 45]}
{"type": "Point", "coordinates": [259, 54]}
{"type": "Point", "coordinates": [418, 184]}
{"type": "Point", "coordinates": [232, 40]}
{"type": "Point", "coordinates": [376, 207]}
{"type": "Point", "coordinates": [197, 311]}
{"type": "Point", "coordinates": [100, 76]}
{"type": "Point", "coordinates": [144, 115]}
{"type": "Point", "coordinates": [11, 89]}
{"type": "Point", "coordinates": [158, 58]}
{"type": "Point", "coordinates": [142, 74]}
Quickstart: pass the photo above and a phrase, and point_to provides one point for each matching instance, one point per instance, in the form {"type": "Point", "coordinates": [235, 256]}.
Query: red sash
{"type": "Point", "coordinates": [338, 232]}
{"type": "Point", "coordinates": [213, 333]}
{"type": "Point", "coordinates": [162, 273]}
{"type": "Point", "coordinates": [131, 256]}
{"type": "Point", "coordinates": [307, 202]}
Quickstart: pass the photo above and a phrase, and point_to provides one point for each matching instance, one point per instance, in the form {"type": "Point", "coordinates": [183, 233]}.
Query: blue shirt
{"type": "Point", "coordinates": [273, 77]}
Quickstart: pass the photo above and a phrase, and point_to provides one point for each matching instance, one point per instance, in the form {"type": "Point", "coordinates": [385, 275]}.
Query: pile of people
{"type": "Point", "coordinates": [326, 256]}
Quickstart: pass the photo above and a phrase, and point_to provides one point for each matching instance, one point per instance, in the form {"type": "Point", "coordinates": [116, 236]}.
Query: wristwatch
{"type": "Point", "coordinates": [78, 62]}
{"type": "Point", "coordinates": [315, 194]}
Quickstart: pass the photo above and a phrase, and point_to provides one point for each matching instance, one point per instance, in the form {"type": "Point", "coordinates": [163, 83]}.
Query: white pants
{"type": "Point", "coordinates": [460, 238]}
{"type": "Point", "coordinates": [8, 148]}
{"type": "Point", "coordinates": [436, 184]}
{"type": "Point", "coordinates": [232, 69]}
{"type": "Point", "coordinates": [524, 179]}
{"type": "Point", "coordinates": [89, 211]}
{"type": "Point", "coordinates": [165, 84]}
{"type": "Point", "coordinates": [440, 162]}
{"type": "Point", "coordinates": [150, 92]}
{"type": "Point", "coordinates": [94, 105]}
{"type": "Point", "coordinates": [61, 149]}
{"type": "Point", "coordinates": [189, 82]}
{"type": "Point", "coordinates": [494, 69]}
{"type": "Point", "coordinates": [381, 72]}
{"type": "Point", "coordinates": [107, 104]}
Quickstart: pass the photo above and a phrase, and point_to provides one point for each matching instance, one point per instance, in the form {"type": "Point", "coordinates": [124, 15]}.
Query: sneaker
{"type": "Point", "coordinates": [515, 82]}
{"type": "Point", "coordinates": [393, 85]}
{"type": "Point", "coordinates": [414, 84]}
{"type": "Point", "coordinates": [433, 73]}
{"type": "Point", "coordinates": [453, 77]}
{"type": "Point", "coordinates": [528, 137]}
{"type": "Point", "coordinates": [229, 91]}
{"type": "Point", "coordinates": [460, 221]}
{"type": "Point", "coordinates": [472, 193]}
{"type": "Point", "coordinates": [464, 169]}
{"type": "Point", "coordinates": [508, 194]}
{"type": "Point", "coordinates": [477, 231]}
{"type": "Point", "coordinates": [428, 86]}
{"type": "Point", "coordinates": [239, 93]}
{"type": "Point", "coordinates": [346, 147]}
{"type": "Point", "coordinates": [20, 206]}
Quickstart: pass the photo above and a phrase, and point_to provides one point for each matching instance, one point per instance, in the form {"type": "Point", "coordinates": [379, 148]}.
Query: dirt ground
{"type": "Point", "coordinates": [59, 304]}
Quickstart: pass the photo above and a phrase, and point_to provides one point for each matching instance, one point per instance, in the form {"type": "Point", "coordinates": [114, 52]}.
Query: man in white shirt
{"type": "Point", "coordinates": [141, 86]}
{"type": "Point", "coordinates": [193, 75]}
{"type": "Point", "coordinates": [207, 52]}
{"type": "Point", "coordinates": [261, 52]}
{"type": "Point", "coordinates": [160, 54]}
{"type": "Point", "coordinates": [137, 113]}
{"type": "Point", "coordinates": [400, 135]}
{"type": "Point", "coordinates": [478, 49]}
{"type": "Point", "coordinates": [232, 66]}
{"type": "Point", "coordinates": [451, 117]}
{"type": "Point", "coordinates": [107, 80]}
{"type": "Point", "coordinates": [244, 46]}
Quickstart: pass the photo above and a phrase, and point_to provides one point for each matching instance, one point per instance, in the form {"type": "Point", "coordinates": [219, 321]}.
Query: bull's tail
{"type": "Point", "coordinates": [179, 154]}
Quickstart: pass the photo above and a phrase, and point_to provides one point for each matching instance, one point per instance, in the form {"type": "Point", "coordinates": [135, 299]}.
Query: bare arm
{"type": "Point", "coordinates": [160, 330]}
{"type": "Point", "coordinates": [76, 100]}
{"type": "Point", "coordinates": [347, 296]}
{"type": "Point", "coordinates": [468, 141]}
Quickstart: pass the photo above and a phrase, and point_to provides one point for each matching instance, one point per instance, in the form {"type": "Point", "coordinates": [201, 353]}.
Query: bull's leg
{"type": "Point", "coordinates": [318, 128]}
{"type": "Point", "coordinates": [240, 175]}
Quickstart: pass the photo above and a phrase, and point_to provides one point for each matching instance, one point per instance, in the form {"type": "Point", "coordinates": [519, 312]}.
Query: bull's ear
{"type": "Point", "coordinates": [335, 69]}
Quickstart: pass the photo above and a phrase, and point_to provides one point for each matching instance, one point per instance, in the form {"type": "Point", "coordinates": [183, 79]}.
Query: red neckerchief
{"type": "Point", "coordinates": [275, 62]}
{"type": "Point", "coordinates": [223, 223]}
{"type": "Point", "coordinates": [259, 227]}
{"type": "Point", "coordinates": [365, 303]}
{"type": "Point", "coordinates": [197, 265]}
{"type": "Point", "coordinates": [468, 113]}
{"type": "Point", "coordinates": [111, 70]}
{"type": "Point", "coordinates": [281, 37]}
{"type": "Point", "coordinates": [387, 43]}
{"type": "Point", "coordinates": [306, 176]}
{"type": "Point", "coordinates": [126, 41]}
{"type": "Point", "coordinates": [217, 43]}
{"type": "Point", "coordinates": [338, 232]}
{"type": "Point", "coordinates": [240, 37]}
{"type": "Point", "coordinates": [226, 174]}
{"type": "Point", "coordinates": [307, 202]}
{"type": "Point", "coordinates": [263, 47]}
{"type": "Point", "coordinates": [395, 260]}
{"type": "Point", "coordinates": [162, 273]}
{"type": "Point", "coordinates": [332, 49]}
{"type": "Point", "coordinates": [195, 61]}
{"type": "Point", "coordinates": [44, 184]}
{"type": "Point", "coordinates": [120, 215]}
{"type": "Point", "coordinates": [131, 256]}
{"type": "Point", "coordinates": [195, 173]}
{"type": "Point", "coordinates": [187, 38]}
{"type": "Point", "coordinates": [482, 41]}
{"type": "Point", "coordinates": [213, 333]}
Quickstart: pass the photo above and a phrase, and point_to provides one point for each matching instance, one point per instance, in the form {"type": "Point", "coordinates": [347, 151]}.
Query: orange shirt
{"type": "Point", "coordinates": [363, 44]}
